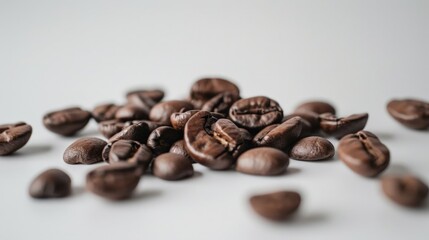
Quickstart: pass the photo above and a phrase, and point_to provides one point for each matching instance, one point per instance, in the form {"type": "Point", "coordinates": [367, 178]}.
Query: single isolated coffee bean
{"type": "Point", "coordinates": [105, 112]}
{"type": "Point", "coordinates": [52, 183]}
{"type": "Point", "coordinates": [67, 122]}
{"type": "Point", "coordinates": [205, 89]}
{"type": "Point", "coordinates": [179, 119]}
{"type": "Point", "coordinates": [339, 127]}
{"type": "Point", "coordinates": [263, 161]}
{"type": "Point", "coordinates": [161, 139]}
{"type": "Point", "coordinates": [179, 148]}
{"type": "Point", "coordinates": [110, 127]}
{"type": "Point", "coordinates": [411, 113]}
{"type": "Point", "coordinates": [162, 111]}
{"type": "Point", "coordinates": [13, 136]}
{"type": "Point", "coordinates": [255, 113]}
{"type": "Point", "coordinates": [115, 182]}
{"type": "Point", "coordinates": [405, 190]}
{"type": "Point", "coordinates": [128, 151]}
{"type": "Point", "coordinates": [318, 107]}
{"type": "Point", "coordinates": [155, 94]}
{"type": "Point", "coordinates": [171, 166]}
{"type": "Point", "coordinates": [137, 132]}
{"type": "Point", "coordinates": [276, 206]}
{"type": "Point", "coordinates": [364, 153]}
{"type": "Point", "coordinates": [220, 103]}
{"type": "Point", "coordinates": [86, 150]}
{"type": "Point", "coordinates": [131, 112]}
{"type": "Point", "coordinates": [312, 149]}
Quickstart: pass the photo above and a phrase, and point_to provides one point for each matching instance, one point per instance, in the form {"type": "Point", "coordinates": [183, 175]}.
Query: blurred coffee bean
{"type": "Point", "coordinates": [311, 119]}
{"type": "Point", "coordinates": [179, 119]}
{"type": "Point", "coordinates": [141, 101]}
{"type": "Point", "coordinates": [179, 148]}
{"type": "Point", "coordinates": [150, 124]}
{"type": "Point", "coordinates": [312, 149]}
{"type": "Point", "coordinates": [155, 94]}
{"type": "Point", "coordinates": [411, 113]}
{"type": "Point", "coordinates": [161, 139]}
{"type": "Point", "coordinates": [318, 107]}
{"type": "Point", "coordinates": [14, 136]}
{"type": "Point", "coordinates": [276, 206]}
{"type": "Point", "coordinates": [264, 161]}
{"type": "Point", "coordinates": [105, 112]}
{"type": "Point", "coordinates": [405, 190]}
{"type": "Point", "coordinates": [128, 151]}
{"type": "Point", "coordinates": [171, 166]}
{"type": "Point", "coordinates": [220, 103]}
{"type": "Point", "coordinates": [205, 89]}
{"type": "Point", "coordinates": [138, 132]}
{"type": "Point", "coordinates": [339, 127]}
{"type": "Point", "coordinates": [67, 122]}
{"type": "Point", "coordinates": [279, 136]}
{"type": "Point", "coordinates": [110, 127]}
{"type": "Point", "coordinates": [131, 112]}
{"type": "Point", "coordinates": [86, 150]}
{"type": "Point", "coordinates": [52, 183]}
{"type": "Point", "coordinates": [162, 111]}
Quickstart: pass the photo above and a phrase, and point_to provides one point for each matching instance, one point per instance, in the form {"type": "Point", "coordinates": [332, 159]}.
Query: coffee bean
{"type": "Point", "coordinates": [161, 139]}
{"type": "Point", "coordinates": [137, 132]}
{"type": "Point", "coordinates": [150, 124]}
{"type": "Point", "coordinates": [364, 153]}
{"type": "Point", "coordinates": [339, 127]}
{"type": "Point", "coordinates": [141, 101]}
{"type": "Point", "coordinates": [86, 150]}
{"type": "Point", "coordinates": [110, 127]}
{"type": "Point", "coordinates": [411, 113]}
{"type": "Point", "coordinates": [162, 111]}
{"type": "Point", "coordinates": [128, 151]}
{"type": "Point", "coordinates": [115, 182]}
{"type": "Point", "coordinates": [263, 161]}
{"type": "Point", "coordinates": [405, 190]}
{"type": "Point", "coordinates": [179, 148]}
{"type": "Point", "coordinates": [276, 206]}
{"type": "Point", "coordinates": [105, 112]}
{"type": "Point", "coordinates": [171, 166]}
{"type": "Point", "coordinates": [179, 119]}
{"type": "Point", "coordinates": [220, 103]}
{"type": "Point", "coordinates": [131, 112]}
{"type": "Point", "coordinates": [205, 89]}
{"type": "Point", "coordinates": [318, 107]}
{"type": "Point", "coordinates": [52, 183]}
{"type": "Point", "coordinates": [13, 137]}
{"type": "Point", "coordinates": [67, 122]}
{"type": "Point", "coordinates": [312, 149]}
{"type": "Point", "coordinates": [311, 120]}
{"type": "Point", "coordinates": [155, 94]}
{"type": "Point", "coordinates": [255, 113]}
{"type": "Point", "coordinates": [281, 136]}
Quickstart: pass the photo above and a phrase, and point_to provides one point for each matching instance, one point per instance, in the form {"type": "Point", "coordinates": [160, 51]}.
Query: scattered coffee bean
{"type": "Point", "coordinates": [67, 122]}
{"type": "Point", "coordinates": [150, 124]}
{"type": "Point", "coordinates": [110, 127]}
{"type": "Point", "coordinates": [128, 151]}
{"type": "Point", "coordinates": [161, 139]}
{"type": "Point", "coordinates": [13, 137]}
{"type": "Point", "coordinates": [339, 127]}
{"type": "Point", "coordinates": [171, 166]}
{"type": "Point", "coordinates": [52, 183]}
{"type": "Point", "coordinates": [155, 94]}
{"type": "Point", "coordinates": [405, 190]}
{"type": "Point", "coordinates": [205, 89]}
{"type": "Point", "coordinates": [179, 148]}
{"type": "Point", "coordinates": [131, 112]}
{"type": "Point", "coordinates": [312, 149]}
{"type": "Point", "coordinates": [143, 102]}
{"type": "Point", "coordinates": [86, 150]}
{"type": "Point", "coordinates": [364, 153]}
{"type": "Point", "coordinates": [411, 113]}
{"type": "Point", "coordinates": [162, 111]}
{"type": "Point", "coordinates": [105, 112]}
{"type": "Point", "coordinates": [179, 119]}
{"type": "Point", "coordinates": [137, 132]}
{"type": "Point", "coordinates": [318, 107]}
{"type": "Point", "coordinates": [311, 119]}
{"type": "Point", "coordinates": [276, 206]}
{"type": "Point", "coordinates": [220, 103]}
{"type": "Point", "coordinates": [281, 136]}
{"type": "Point", "coordinates": [263, 161]}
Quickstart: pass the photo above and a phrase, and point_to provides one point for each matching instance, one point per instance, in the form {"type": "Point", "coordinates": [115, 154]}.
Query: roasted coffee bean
{"type": "Point", "coordinates": [179, 119]}
{"type": "Point", "coordinates": [86, 150]}
{"type": "Point", "coordinates": [131, 112]}
{"type": "Point", "coordinates": [105, 112]}
{"type": "Point", "coordinates": [67, 122]}
{"type": "Point", "coordinates": [205, 89]}
{"type": "Point", "coordinates": [137, 132]}
{"type": "Point", "coordinates": [141, 101]}
{"type": "Point", "coordinates": [264, 161]}
{"type": "Point", "coordinates": [52, 183]}
{"type": "Point", "coordinates": [13, 137]}
{"type": "Point", "coordinates": [110, 127]}
{"type": "Point", "coordinates": [276, 206]}
{"type": "Point", "coordinates": [405, 190]}
{"type": "Point", "coordinates": [171, 166]}
{"type": "Point", "coordinates": [216, 146]}
{"type": "Point", "coordinates": [364, 153]}
{"type": "Point", "coordinates": [115, 182]}
{"type": "Point", "coordinates": [411, 113]}
{"type": "Point", "coordinates": [281, 136]}
{"type": "Point", "coordinates": [179, 148]}
{"type": "Point", "coordinates": [318, 107]}
{"type": "Point", "coordinates": [128, 151]}
{"type": "Point", "coordinates": [339, 127]}
{"type": "Point", "coordinates": [220, 103]}
{"type": "Point", "coordinates": [162, 111]}
{"type": "Point", "coordinates": [155, 94]}
{"type": "Point", "coordinates": [150, 124]}
{"type": "Point", "coordinates": [255, 113]}
{"type": "Point", "coordinates": [161, 139]}
{"type": "Point", "coordinates": [311, 119]}
{"type": "Point", "coordinates": [312, 149]}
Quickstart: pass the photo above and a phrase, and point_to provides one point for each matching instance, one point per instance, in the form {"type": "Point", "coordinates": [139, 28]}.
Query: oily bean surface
{"type": "Point", "coordinates": [279, 136]}
{"type": "Point", "coordinates": [128, 151]}
{"type": "Point", "coordinates": [161, 139]}
{"type": "Point", "coordinates": [86, 150]}
{"type": "Point", "coordinates": [205, 89]}
{"type": "Point", "coordinates": [179, 148]}
{"type": "Point", "coordinates": [137, 132]}
{"type": "Point", "coordinates": [339, 127]}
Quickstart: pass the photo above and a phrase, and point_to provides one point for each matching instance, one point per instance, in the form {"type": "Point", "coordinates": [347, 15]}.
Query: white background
{"type": "Point", "coordinates": [356, 54]}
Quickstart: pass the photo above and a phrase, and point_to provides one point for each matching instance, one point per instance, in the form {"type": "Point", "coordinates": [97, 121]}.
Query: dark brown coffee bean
{"type": "Point", "coordinates": [179, 148]}
{"type": "Point", "coordinates": [115, 182]}
{"type": "Point", "coordinates": [13, 137]}
{"type": "Point", "coordinates": [86, 150]}
{"type": "Point", "coordinates": [281, 136]}
{"type": "Point", "coordinates": [128, 151]}
{"type": "Point", "coordinates": [141, 101]}
{"type": "Point", "coordinates": [131, 112]}
{"type": "Point", "coordinates": [411, 113]}
{"type": "Point", "coordinates": [312, 149]}
{"type": "Point", "coordinates": [161, 139]}
{"type": "Point", "coordinates": [52, 183]}
{"type": "Point", "coordinates": [171, 166]}
{"type": "Point", "coordinates": [220, 103]}
{"type": "Point", "coordinates": [179, 119]}
{"type": "Point", "coordinates": [263, 161]}
{"type": "Point", "coordinates": [150, 124]}
{"type": "Point", "coordinates": [67, 122]}
{"type": "Point", "coordinates": [205, 89]}
{"type": "Point", "coordinates": [405, 190]}
{"type": "Point", "coordinates": [312, 122]}
{"type": "Point", "coordinates": [110, 127]}
{"type": "Point", "coordinates": [339, 127]}
{"type": "Point", "coordinates": [155, 94]}
{"type": "Point", "coordinates": [105, 112]}
{"type": "Point", "coordinates": [137, 132]}
{"type": "Point", "coordinates": [276, 206]}
{"type": "Point", "coordinates": [255, 113]}
{"type": "Point", "coordinates": [364, 153]}
{"type": "Point", "coordinates": [318, 107]}
{"type": "Point", "coordinates": [162, 111]}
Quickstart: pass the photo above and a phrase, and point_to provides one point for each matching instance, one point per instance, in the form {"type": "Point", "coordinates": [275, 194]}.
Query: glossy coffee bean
{"type": "Point", "coordinates": [263, 161]}
{"type": "Point", "coordinates": [276, 206]}
{"type": "Point", "coordinates": [131, 112]}
{"type": "Point", "coordinates": [255, 113]}
{"type": "Point", "coordinates": [52, 183]}
{"type": "Point", "coordinates": [179, 119]}
{"type": "Point", "coordinates": [171, 166]}
{"type": "Point", "coordinates": [220, 103]}
{"type": "Point", "coordinates": [67, 122]}
{"type": "Point", "coordinates": [150, 124]}
{"type": "Point", "coordinates": [318, 107]}
{"type": "Point", "coordinates": [137, 132]}
{"type": "Point", "coordinates": [205, 89]}
{"type": "Point", "coordinates": [115, 182]}
{"type": "Point", "coordinates": [312, 149]}
{"type": "Point", "coordinates": [364, 153]}
{"type": "Point", "coordinates": [155, 94]}
{"type": "Point", "coordinates": [86, 150]}
{"type": "Point", "coordinates": [128, 151]}
{"type": "Point", "coordinates": [311, 120]}
{"type": "Point", "coordinates": [13, 137]}
{"type": "Point", "coordinates": [339, 127]}
{"type": "Point", "coordinates": [405, 190]}
{"type": "Point", "coordinates": [411, 113]}
{"type": "Point", "coordinates": [179, 148]}
{"type": "Point", "coordinates": [141, 101]}
{"type": "Point", "coordinates": [161, 139]}
{"type": "Point", "coordinates": [105, 112]}
{"type": "Point", "coordinates": [279, 136]}
{"type": "Point", "coordinates": [110, 127]}
{"type": "Point", "coordinates": [162, 111]}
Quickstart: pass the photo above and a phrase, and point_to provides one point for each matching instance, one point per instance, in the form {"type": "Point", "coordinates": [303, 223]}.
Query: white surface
{"type": "Point", "coordinates": [357, 54]}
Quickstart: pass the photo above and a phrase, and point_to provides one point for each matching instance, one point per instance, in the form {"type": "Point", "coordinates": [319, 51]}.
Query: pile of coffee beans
{"type": "Point", "coordinates": [219, 129]}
